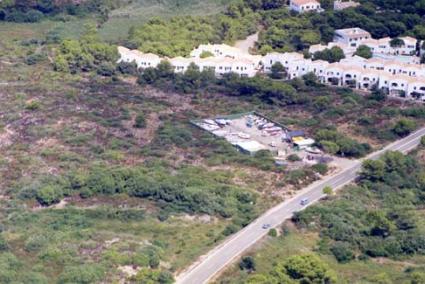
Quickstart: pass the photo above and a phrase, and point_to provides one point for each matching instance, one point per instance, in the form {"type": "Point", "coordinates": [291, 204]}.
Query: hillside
{"type": "Point", "coordinates": [104, 179]}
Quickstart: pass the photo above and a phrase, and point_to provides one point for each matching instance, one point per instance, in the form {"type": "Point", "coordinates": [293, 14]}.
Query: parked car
{"type": "Point", "coordinates": [266, 226]}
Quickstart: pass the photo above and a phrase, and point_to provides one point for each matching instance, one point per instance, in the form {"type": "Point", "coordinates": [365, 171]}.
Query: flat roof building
{"type": "Point", "coordinates": [352, 37]}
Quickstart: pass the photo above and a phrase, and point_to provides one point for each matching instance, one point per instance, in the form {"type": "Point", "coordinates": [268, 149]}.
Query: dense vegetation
{"type": "Point", "coordinates": [285, 31]}
{"type": "Point", "coordinates": [297, 269]}
{"type": "Point", "coordinates": [178, 36]}
{"type": "Point", "coordinates": [86, 54]}
{"type": "Point", "coordinates": [191, 190]}
{"type": "Point", "coordinates": [384, 220]}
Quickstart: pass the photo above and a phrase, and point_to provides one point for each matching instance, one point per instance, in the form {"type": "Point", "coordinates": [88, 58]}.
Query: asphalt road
{"type": "Point", "coordinates": [217, 259]}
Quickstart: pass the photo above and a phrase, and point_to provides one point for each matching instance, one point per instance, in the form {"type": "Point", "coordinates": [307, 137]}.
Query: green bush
{"type": "Point", "coordinates": [3, 244]}
{"type": "Point", "coordinates": [49, 194]}
{"type": "Point", "coordinates": [247, 263]}
{"type": "Point", "coordinates": [140, 121]}
{"type": "Point", "coordinates": [84, 274]}
{"type": "Point", "coordinates": [342, 252]}
{"type": "Point", "coordinates": [272, 233]}
{"type": "Point", "coordinates": [320, 168]}
{"type": "Point", "coordinates": [404, 127]}
{"type": "Point", "coordinates": [293, 158]}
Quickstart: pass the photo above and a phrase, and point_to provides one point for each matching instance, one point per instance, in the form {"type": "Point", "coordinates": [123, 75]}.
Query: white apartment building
{"type": "Point", "coordinates": [180, 64]}
{"type": "Point", "coordinates": [352, 37]}
{"type": "Point", "coordinates": [218, 50]}
{"type": "Point", "coordinates": [284, 58]}
{"type": "Point", "coordinates": [303, 6]}
{"type": "Point", "coordinates": [224, 50]}
{"type": "Point", "coordinates": [383, 46]}
{"type": "Point", "coordinates": [220, 66]}
{"type": "Point", "coordinates": [143, 60]}
{"type": "Point", "coordinates": [347, 49]}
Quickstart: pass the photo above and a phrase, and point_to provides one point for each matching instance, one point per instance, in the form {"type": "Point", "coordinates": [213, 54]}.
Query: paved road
{"type": "Point", "coordinates": [218, 258]}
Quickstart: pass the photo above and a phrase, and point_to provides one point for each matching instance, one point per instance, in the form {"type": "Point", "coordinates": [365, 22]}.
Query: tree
{"type": "Point", "coordinates": [332, 55]}
{"type": "Point", "coordinates": [308, 267]}
{"type": "Point", "coordinates": [396, 42]}
{"type": "Point", "coordinates": [129, 68]}
{"type": "Point", "coordinates": [364, 51]}
{"type": "Point", "coordinates": [373, 170]}
{"type": "Point", "coordinates": [165, 69]}
{"type": "Point", "coordinates": [206, 54]}
{"type": "Point", "coordinates": [329, 147]}
{"type": "Point", "coordinates": [247, 263]}
{"type": "Point", "coordinates": [278, 71]}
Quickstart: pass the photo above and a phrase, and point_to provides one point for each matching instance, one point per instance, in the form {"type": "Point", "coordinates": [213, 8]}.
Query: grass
{"type": "Point", "coordinates": [140, 11]}
{"type": "Point", "coordinates": [120, 20]}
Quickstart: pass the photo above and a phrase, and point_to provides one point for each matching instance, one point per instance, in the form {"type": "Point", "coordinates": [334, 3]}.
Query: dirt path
{"type": "Point", "coordinates": [248, 43]}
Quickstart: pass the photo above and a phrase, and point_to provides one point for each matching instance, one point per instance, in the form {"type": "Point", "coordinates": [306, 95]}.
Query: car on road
{"type": "Point", "coordinates": [304, 201]}
{"type": "Point", "coordinates": [266, 226]}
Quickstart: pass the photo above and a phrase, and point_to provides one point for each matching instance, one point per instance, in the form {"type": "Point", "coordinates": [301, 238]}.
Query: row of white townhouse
{"type": "Point", "coordinates": [406, 80]}
{"type": "Point", "coordinates": [349, 39]}
{"type": "Point", "coordinates": [242, 65]}
{"type": "Point", "coordinates": [356, 72]}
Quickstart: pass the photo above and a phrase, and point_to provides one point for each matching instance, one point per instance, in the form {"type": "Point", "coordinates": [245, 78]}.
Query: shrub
{"type": "Point", "coordinates": [230, 229]}
{"type": "Point", "coordinates": [309, 267]}
{"type": "Point", "coordinates": [342, 252]}
{"type": "Point", "coordinates": [49, 194]}
{"type": "Point", "coordinates": [293, 158]}
{"type": "Point", "coordinates": [404, 127]}
{"type": "Point", "coordinates": [272, 233]}
{"type": "Point", "coordinates": [423, 141]}
{"type": "Point", "coordinates": [140, 121]}
{"type": "Point", "coordinates": [33, 105]}
{"type": "Point", "coordinates": [320, 168]}
{"type": "Point", "coordinates": [106, 69]}
{"type": "Point", "coordinates": [129, 68]}
{"type": "Point", "coordinates": [84, 274]}
{"type": "Point", "coordinates": [247, 263]}
{"type": "Point", "coordinates": [35, 243]}
{"type": "Point", "coordinates": [34, 58]}
{"type": "Point", "coordinates": [3, 244]}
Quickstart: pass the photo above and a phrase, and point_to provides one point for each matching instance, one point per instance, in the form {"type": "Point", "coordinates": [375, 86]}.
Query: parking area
{"type": "Point", "coordinates": [253, 132]}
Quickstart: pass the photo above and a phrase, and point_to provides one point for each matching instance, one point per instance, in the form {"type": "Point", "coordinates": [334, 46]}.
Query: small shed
{"type": "Point", "coordinates": [291, 134]}
{"type": "Point", "coordinates": [250, 147]}
{"type": "Point", "coordinates": [303, 143]}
